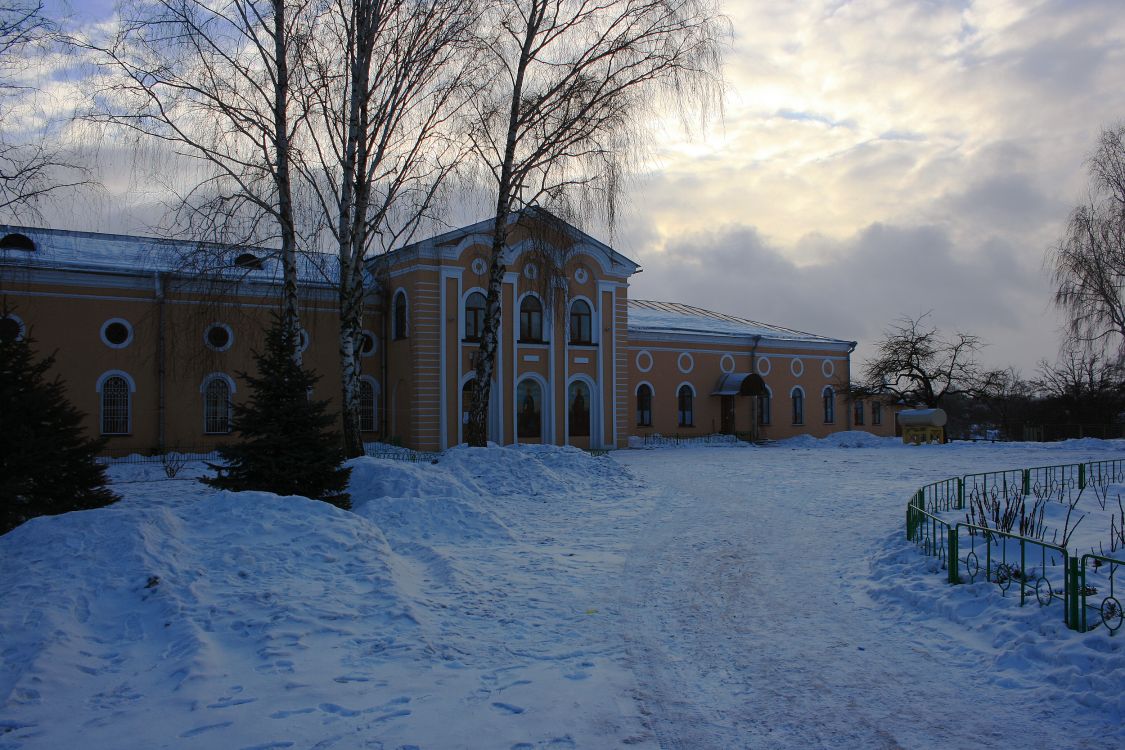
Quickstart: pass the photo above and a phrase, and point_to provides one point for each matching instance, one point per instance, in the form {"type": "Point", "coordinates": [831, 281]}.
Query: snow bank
{"type": "Point", "coordinates": [453, 603]}
{"type": "Point", "coordinates": [846, 439]}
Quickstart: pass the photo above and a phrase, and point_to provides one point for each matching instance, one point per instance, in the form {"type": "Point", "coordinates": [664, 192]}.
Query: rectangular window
{"type": "Point", "coordinates": [763, 410]}
{"type": "Point", "coordinates": [876, 413]}
{"type": "Point", "coordinates": [859, 412]}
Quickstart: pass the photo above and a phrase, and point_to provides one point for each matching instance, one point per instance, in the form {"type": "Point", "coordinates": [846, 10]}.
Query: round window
{"type": "Point", "coordinates": [219, 337]}
{"type": "Point", "coordinates": [367, 344]}
{"type": "Point", "coordinates": [10, 328]}
{"type": "Point", "coordinates": [117, 333]}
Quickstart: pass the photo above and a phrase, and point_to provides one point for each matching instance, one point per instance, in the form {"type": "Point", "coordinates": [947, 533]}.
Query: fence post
{"type": "Point", "coordinates": [1027, 481]}
{"type": "Point", "coordinates": [1081, 476]}
{"type": "Point", "coordinates": [1072, 594]}
{"type": "Point", "coordinates": [960, 493]}
{"type": "Point", "coordinates": [954, 576]}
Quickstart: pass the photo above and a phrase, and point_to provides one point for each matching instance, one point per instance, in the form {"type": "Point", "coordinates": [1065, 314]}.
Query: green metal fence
{"type": "Point", "coordinates": [1043, 571]}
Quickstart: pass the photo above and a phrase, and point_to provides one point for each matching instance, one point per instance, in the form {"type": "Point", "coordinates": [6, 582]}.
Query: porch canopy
{"type": "Point", "coordinates": [740, 384]}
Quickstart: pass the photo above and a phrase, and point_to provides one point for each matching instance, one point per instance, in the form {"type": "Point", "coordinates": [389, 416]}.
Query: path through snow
{"type": "Point", "coordinates": [759, 617]}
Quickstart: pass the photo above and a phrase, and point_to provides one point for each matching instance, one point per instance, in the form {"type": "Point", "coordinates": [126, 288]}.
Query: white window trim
{"type": "Point", "coordinates": [101, 403]}
{"type": "Point", "coordinates": [118, 373]}
{"type": "Point", "coordinates": [128, 339]}
{"type": "Point", "coordinates": [374, 347]}
{"type": "Point", "coordinates": [230, 337]}
{"type": "Point", "coordinates": [203, 392]}
{"type": "Point", "coordinates": [19, 322]}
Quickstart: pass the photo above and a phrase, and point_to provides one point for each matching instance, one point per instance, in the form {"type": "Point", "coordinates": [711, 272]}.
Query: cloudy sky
{"type": "Point", "coordinates": [876, 159]}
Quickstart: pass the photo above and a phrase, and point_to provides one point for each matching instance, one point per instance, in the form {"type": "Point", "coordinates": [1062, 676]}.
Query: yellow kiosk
{"type": "Point", "coordinates": [922, 426]}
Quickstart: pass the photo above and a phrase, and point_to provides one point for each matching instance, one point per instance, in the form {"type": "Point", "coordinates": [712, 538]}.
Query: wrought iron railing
{"type": "Point", "coordinates": [1043, 570]}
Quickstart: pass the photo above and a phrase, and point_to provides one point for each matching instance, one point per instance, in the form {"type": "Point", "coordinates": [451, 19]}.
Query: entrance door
{"type": "Point", "coordinates": [727, 410]}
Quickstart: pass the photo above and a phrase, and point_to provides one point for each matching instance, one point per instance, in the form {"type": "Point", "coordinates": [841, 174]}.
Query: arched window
{"type": "Point", "coordinates": [115, 406]}
{"type": "Point", "coordinates": [474, 316]}
{"type": "Point", "coordinates": [531, 319]}
{"type": "Point", "coordinates": [216, 406]}
{"type": "Point", "coordinates": [578, 405]}
{"type": "Point", "coordinates": [798, 397]}
{"type": "Point", "coordinates": [581, 323]}
{"type": "Point", "coordinates": [368, 407]}
{"type": "Point", "coordinates": [684, 398]}
{"type": "Point", "coordinates": [764, 409]}
{"type": "Point", "coordinates": [399, 315]}
{"type": "Point", "coordinates": [859, 412]}
{"type": "Point", "coordinates": [529, 404]}
{"type": "Point", "coordinates": [876, 412]}
{"type": "Point", "coordinates": [829, 405]}
{"type": "Point", "coordinates": [644, 406]}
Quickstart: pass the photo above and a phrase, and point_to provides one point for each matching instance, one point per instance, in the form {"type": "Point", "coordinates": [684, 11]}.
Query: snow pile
{"type": "Point", "coordinates": [461, 600]}
{"type": "Point", "coordinates": [203, 612]}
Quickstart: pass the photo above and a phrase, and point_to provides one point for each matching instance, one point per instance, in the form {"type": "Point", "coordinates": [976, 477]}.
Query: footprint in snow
{"type": "Point", "coordinates": [508, 708]}
{"type": "Point", "coordinates": [206, 728]}
{"type": "Point", "coordinates": [332, 708]}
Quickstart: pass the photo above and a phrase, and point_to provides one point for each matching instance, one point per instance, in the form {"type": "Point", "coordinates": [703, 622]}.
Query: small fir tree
{"type": "Point", "coordinates": [287, 445]}
{"type": "Point", "coordinates": [47, 461]}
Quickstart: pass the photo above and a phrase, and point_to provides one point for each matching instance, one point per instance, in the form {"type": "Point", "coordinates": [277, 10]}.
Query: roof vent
{"type": "Point", "coordinates": [249, 261]}
{"type": "Point", "coordinates": [16, 241]}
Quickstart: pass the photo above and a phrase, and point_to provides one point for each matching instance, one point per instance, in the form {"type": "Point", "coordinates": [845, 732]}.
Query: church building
{"type": "Point", "coordinates": [150, 336]}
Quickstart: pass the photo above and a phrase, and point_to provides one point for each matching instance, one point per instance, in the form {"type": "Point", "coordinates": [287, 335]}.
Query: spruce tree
{"type": "Point", "coordinates": [286, 441]}
{"type": "Point", "coordinates": [47, 461]}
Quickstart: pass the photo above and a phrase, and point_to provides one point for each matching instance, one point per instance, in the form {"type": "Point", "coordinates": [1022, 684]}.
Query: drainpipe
{"type": "Point", "coordinates": [160, 361]}
{"type": "Point", "coordinates": [755, 432]}
{"type": "Point", "coordinates": [851, 348]}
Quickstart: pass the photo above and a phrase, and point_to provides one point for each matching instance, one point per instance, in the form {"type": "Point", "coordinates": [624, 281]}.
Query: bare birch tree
{"type": "Point", "coordinates": [385, 78]}
{"type": "Point", "coordinates": [571, 82]}
{"type": "Point", "coordinates": [211, 81]}
{"type": "Point", "coordinates": [31, 168]}
{"type": "Point", "coordinates": [1088, 263]}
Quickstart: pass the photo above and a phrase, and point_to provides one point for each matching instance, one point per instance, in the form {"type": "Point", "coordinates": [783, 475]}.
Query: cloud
{"type": "Point", "coordinates": [863, 283]}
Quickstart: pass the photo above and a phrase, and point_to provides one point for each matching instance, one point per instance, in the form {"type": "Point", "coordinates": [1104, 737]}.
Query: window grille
{"type": "Point", "coordinates": [216, 407]}
{"type": "Point", "coordinates": [366, 406]}
{"type": "Point", "coordinates": [115, 406]}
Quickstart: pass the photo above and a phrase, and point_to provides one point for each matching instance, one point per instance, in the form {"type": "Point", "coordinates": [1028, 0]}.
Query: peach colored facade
{"type": "Point", "coordinates": [573, 380]}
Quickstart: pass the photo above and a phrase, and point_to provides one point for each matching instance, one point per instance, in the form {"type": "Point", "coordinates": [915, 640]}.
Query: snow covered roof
{"type": "Point", "coordinates": [647, 317]}
{"type": "Point", "coordinates": [453, 241]}
{"type": "Point", "coordinates": [77, 250]}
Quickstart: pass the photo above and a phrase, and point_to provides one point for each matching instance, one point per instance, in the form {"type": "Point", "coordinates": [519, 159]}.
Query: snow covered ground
{"type": "Point", "coordinates": [712, 597]}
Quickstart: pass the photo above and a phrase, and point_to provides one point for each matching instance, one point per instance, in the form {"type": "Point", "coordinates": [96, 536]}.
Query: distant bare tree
{"type": "Point", "coordinates": [917, 364]}
{"type": "Point", "coordinates": [30, 167]}
{"type": "Point", "coordinates": [211, 80]}
{"type": "Point", "coordinates": [1088, 263]}
{"type": "Point", "coordinates": [571, 83]}
{"type": "Point", "coordinates": [385, 78]}
{"type": "Point", "coordinates": [1088, 386]}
